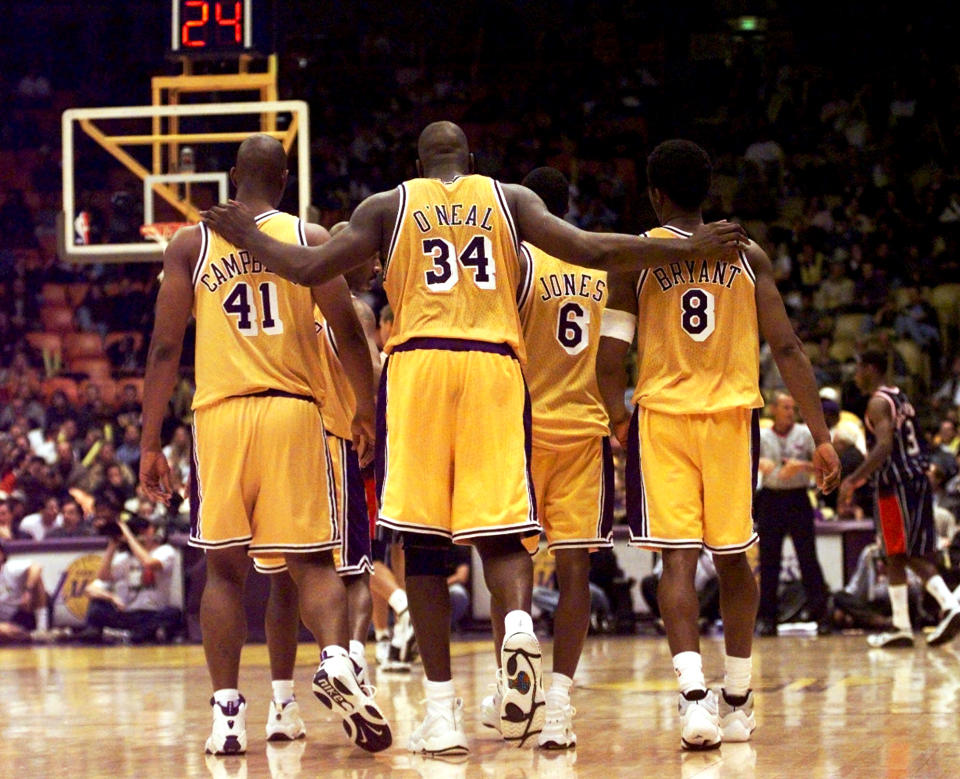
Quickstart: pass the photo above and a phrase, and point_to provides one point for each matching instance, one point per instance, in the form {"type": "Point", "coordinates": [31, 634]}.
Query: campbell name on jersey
{"type": "Point", "coordinates": [698, 342]}
{"type": "Point", "coordinates": [255, 330]}
{"type": "Point", "coordinates": [453, 266]}
{"type": "Point", "coordinates": [561, 311]}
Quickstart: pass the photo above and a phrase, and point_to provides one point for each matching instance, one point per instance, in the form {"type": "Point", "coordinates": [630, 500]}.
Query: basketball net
{"type": "Point", "coordinates": [161, 232]}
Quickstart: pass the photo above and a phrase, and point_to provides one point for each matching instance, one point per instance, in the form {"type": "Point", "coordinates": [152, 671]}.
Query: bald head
{"type": "Point", "coordinates": [261, 167]}
{"type": "Point", "coordinates": [443, 148]}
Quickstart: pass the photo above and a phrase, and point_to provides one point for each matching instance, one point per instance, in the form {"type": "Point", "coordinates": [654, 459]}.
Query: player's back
{"type": "Point", "coordinates": [698, 343]}
{"type": "Point", "coordinates": [255, 330]}
{"type": "Point", "coordinates": [907, 462]}
{"type": "Point", "coordinates": [561, 311]}
{"type": "Point", "coordinates": [452, 269]}
{"type": "Point", "coordinates": [339, 402]}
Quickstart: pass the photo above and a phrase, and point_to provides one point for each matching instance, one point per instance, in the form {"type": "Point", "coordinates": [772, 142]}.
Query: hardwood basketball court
{"type": "Point", "coordinates": [825, 707]}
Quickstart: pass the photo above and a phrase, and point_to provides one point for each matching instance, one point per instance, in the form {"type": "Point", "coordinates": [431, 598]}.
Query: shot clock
{"type": "Point", "coordinates": [216, 28]}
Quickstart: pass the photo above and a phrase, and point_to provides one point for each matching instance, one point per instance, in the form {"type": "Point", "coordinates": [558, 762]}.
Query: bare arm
{"type": "Point", "coordinates": [174, 305]}
{"type": "Point", "coordinates": [881, 420]}
{"type": "Point", "coordinates": [103, 574]}
{"type": "Point", "coordinates": [369, 323]}
{"type": "Point", "coordinates": [613, 252]}
{"type": "Point", "coordinates": [148, 561]}
{"type": "Point", "coordinates": [310, 265]}
{"type": "Point", "coordinates": [336, 303]}
{"type": "Point", "coordinates": [794, 366]}
{"type": "Point", "coordinates": [612, 353]}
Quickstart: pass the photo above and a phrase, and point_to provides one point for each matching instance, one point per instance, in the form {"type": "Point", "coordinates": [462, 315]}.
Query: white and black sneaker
{"type": "Point", "coordinates": [490, 705]}
{"type": "Point", "coordinates": [947, 629]}
{"type": "Point", "coordinates": [522, 707]}
{"type": "Point", "coordinates": [336, 687]}
{"type": "Point", "coordinates": [892, 639]}
{"type": "Point", "coordinates": [737, 720]}
{"type": "Point", "coordinates": [284, 722]}
{"type": "Point", "coordinates": [699, 720]}
{"type": "Point", "coordinates": [441, 733]}
{"type": "Point", "coordinates": [229, 733]}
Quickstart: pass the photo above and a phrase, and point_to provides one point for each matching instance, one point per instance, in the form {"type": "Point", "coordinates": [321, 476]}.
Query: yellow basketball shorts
{"type": "Point", "coordinates": [262, 478]}
{"type": "Point", "coordinates": [453, 441]}
{"type": "Point", "coordinates": [691, 479]}
{"type": "Point", "coordinates": [574, 488]}
{"type": "Point", "coordinates": [353, 555]}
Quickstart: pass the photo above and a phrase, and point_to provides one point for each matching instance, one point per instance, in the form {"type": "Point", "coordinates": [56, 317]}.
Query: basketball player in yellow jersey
{"type": "Point", "coordinates": [263, 484]}
{"type": "Point", "coordinates": [693, 442]}
{"type": "Point", "coordinates": [562, 314]}
{"type": "Point", "coordinates": [452, 401]}
{"type": "Point", "coordinates": [353, 556]}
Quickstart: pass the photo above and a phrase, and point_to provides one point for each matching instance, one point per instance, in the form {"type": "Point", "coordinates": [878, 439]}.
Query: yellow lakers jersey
{"type": "Point", "coordinates": [698, 347]}
{"type": "Point", "coordinates": [339, 402]}
{"type": "Point", "coordinates": [561, 308]}
{"type": "Point", "coordinates": [452, 269]}
{"type": "Point", "coordinates": [255, 330]}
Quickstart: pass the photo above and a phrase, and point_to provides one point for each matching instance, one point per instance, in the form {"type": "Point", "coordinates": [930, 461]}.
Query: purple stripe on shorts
{"type": "Point", "coordinates": [380, 447]}
{"type": "Point", "coordinates": [606, 520]}
{"type": "Point", "coordinates": [455, 345]}
{"type": "Point", "coordinates": [635, 514]}
{"type": "Point", "coordinates": [754, 455]}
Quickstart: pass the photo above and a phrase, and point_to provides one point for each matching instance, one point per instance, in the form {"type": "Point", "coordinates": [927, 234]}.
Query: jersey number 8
{"type": "Point", "coordinates": [697, 317]}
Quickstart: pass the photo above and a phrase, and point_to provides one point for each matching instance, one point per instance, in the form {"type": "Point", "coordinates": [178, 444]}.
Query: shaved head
{"type": "Point", "coordinates": [443, 147]}
{"type": "Point", "coordinates": [261, 166]}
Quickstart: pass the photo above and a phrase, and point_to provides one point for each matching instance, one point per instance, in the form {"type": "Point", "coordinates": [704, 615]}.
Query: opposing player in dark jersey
{"type": "Point", "coordinates": [904, 507]}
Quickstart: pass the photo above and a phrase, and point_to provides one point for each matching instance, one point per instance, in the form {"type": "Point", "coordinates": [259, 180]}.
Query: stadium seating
{"type": "Point", "coordinates": [57, 319]}
{"type": "Point", "coordinates": [82, 345]}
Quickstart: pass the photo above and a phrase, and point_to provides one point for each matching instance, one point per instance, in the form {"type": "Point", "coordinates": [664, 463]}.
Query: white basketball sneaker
{"type": "Point", "coordinates": [699, 720]}
{"type": "Point", "coordinates": [441, 732]}
{"type": "Point", "coordinates": [522, 708]}
{"type": "Point", "coordinates": [557, 730]}
{"type": "Point", "coordinates": [284, 722]}
{"type": "Point", "coordinates": [229, 733]}
{"type": "Point", "coordinates": [947, 629]}
{"type": "Point", "coordinates": [894, 639]}
{"type": "Point", "coordinates": [336, 687]}
{"type": "Point", "coordinates": [737, 720]}
{"type": "Point", "coordinates": [490, 705]}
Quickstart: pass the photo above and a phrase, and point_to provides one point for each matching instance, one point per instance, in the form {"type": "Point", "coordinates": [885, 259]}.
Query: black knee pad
{"type": "Point", "coordinates": [425, 560]}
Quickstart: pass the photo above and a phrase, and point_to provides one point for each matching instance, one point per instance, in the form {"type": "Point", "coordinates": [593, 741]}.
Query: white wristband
{"type": "Point", "coordinates": [618, 324]}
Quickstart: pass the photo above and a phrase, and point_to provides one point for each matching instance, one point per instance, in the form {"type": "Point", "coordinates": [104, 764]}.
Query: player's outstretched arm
{"type": "Point", "coordinates": [174, 305]}
{"type": "Point", "coordinates": [617, 332]}
{"type": "Point", "coordinates": [794, 366]}
{"type": "Point", "coordinates": [613, 252]}
{"type": "Point", "coordinates": [881, 421]}
{"type": "Point", "coordinates": [307, 265]}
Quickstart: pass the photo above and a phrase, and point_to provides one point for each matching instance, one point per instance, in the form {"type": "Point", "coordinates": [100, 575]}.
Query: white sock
{"type": "Point", "coordinates": [558, 695]}
{"type": "Point", "coordinates": [517, 621]}
{"type": "Point", "coordinates": [398, 601]}
{"type": "Point", "coordinates": [226, 696]}
{"type": "Point", "coordinates": [736, 675]}
{"type": "Point", "coordinates": [440, 695]}
{"type": "Point", "coordinates": [356, 649]}
{"type": "Point", "coordinates": [43, 623]}
{"type": "Point", "coordinates": [282, 690]}
{"type": "Point", "coordinates": [935, 585]}
{"type": "Point", "coordinates": [901, 607]}
{"type": "Point", "coordinates": [689, 668]}
{"type": "Point", "coordinates": [382, 635]}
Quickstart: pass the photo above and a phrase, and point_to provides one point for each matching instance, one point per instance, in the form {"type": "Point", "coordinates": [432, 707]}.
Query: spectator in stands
{"type": "Point", "coordinates": [7, 528]}
{"type": "Point", "coordinates": [129, 407]}
{"type": "Point", "coordinates": [93, 313]}
{"type": "Point", "coordinates": [836, 292]}
{"type": "Point", "coordinates": [68, 472]}
{"type": "Point", "coordinates": [123, 355]}
{"type": "Point", "coordinates": [25, 405]}
{"type": "Point", "coordinates": [94, 413]}
{"type": "Point", "coordinates": [458, 580]}
{"type": "Point", "coordinates": [942, 499]}
{"type": "Point", "coordinates": [44, 442]}
{"type": "Point", "coordinates": [75, 524]}
{"type": "Point", "coordinates": [35, 483]}
{"type": "Point", "coordinates": [17, 503]}
{"type": "Point", "coordinates": [23, 307]}
{"type": "Point", "coordinates": [133, 588]}
{"type": "Point", "coordinates": [128, 452]}
{"type": "Point", "coordinates": [917, 320]}
{"type": "Point", "coordinates": [39, 524]}
{"type": "Point", "coordinates": [948, 394]}
{"type": "Point", "coordinates": [117, 485]}
{"type": "Point", "coordinates": [23, 600]}
{"type": "Point", "coordinates": [59, 410]}
{"type": "Point", "coordinates": [16, 221]}
{"type": "Point", "coordinates": [179, 454]}
{"type": "Point", "coordinates": [385, 326]}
